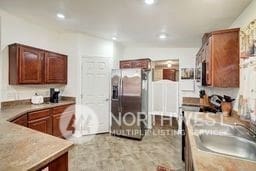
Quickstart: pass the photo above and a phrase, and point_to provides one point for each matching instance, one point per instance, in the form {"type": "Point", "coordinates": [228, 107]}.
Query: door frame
{"type": "Point", "coordinates": [110, 62]}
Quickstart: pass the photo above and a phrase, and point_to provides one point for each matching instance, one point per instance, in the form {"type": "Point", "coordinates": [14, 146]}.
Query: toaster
{"type": "Point", "coordinates": [36, 99]}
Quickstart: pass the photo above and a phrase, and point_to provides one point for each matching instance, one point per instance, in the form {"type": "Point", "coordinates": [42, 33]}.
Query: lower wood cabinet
{"type": "Point", "coordinates": [59, 164]}
{"type": "Point", "coordinates": [43, 125]}
{"type": "Point", "coordinates": [188, 154]}
{"type": "Point", "coordinates": [57, 121]}
{"type": "Point", "coordinates": [63, 119]}
{"type": "Point", "coordinates": [40, 121]}
{"type": "Point", "coordinates": [22, 120]}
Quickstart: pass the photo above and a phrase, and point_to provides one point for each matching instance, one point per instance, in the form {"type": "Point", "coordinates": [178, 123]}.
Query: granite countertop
{"type": "Point", "coordinates": [22, 148]}
{"type": "Point", "coordinates": [192, 101]}
{"type": "Point", "coordinates": [202, 160]}
{"type": "Point", "coordinates": [194, 104]}
{"type": "Point", "coordinates": [14, 112]}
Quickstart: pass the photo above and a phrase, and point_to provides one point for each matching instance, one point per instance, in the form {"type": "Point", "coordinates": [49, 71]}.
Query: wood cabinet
{"type": "Point", "coordinates": [25, 65]}
{"type": "Point", "coordinates": [125, 64]}
{"type": "Point", "coordinates": [138, 63]}
{"type": "Point", "coordinates": [29, 65]}
{"type": "Point", "coordinates": [57, 121]}
{"type": "Point", "coordinates": [22, 120]}
{"type": "Point", "coordinates": [59, 164]}
{"type": "Point", "coordinates": [63, 119]}
{"type": "Point", "coordinates": [188, 154]}
{"type": "Point", "coordinates": [40, 121]}
{"type": "Point", "coordinates": [169, 74]}
{"type": "Point", "coordinates": [220, 52]}
{"type": "Point", "coordinates": [55, 68]}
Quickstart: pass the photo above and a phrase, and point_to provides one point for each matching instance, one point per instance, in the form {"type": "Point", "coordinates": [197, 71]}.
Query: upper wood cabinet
{"type": "Point", "coordinates": [25, 65]}
{"type": "Point", "coordinates": [55, 68]}
{"type": "Point", "coordinates": [29, 65]}
{"type": "Point", "coordinates": [138, 63]}
{"type": "Point", "coordinates": [220, 52]}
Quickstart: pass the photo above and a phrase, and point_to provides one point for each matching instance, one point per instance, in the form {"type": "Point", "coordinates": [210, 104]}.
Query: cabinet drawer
{"type": "Point", "coordinates": [61, 109]}
{"type": "Point", "coordinates": [38, 114]}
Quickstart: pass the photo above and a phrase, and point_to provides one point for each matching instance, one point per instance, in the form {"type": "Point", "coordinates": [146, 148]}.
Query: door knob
{"type": "Point", "coordinates": [107, 100]}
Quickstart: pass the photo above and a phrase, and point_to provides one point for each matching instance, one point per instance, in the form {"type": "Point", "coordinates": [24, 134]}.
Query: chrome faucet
{"type": "Point", "coordinates": [250, 130]}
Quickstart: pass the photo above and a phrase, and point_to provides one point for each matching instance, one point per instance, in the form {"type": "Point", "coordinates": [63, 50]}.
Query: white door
{"type": "Point", "coordinates": [95, 93]}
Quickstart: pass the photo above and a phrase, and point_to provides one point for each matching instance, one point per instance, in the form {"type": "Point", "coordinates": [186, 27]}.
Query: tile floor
{"type": "Point", "coordinates": [108, 153]}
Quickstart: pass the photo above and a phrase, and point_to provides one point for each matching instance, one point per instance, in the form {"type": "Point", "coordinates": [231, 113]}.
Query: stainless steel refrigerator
{"type": "Point", "coordinates": [129, 102]}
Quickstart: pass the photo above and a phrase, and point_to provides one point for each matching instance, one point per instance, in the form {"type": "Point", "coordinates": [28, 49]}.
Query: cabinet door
{"type": "Point", "coordinates": [55, 68]}
{"type": "Point", "coordinates": [22, 120]}
{"type": "Point", "coordinates": [30, 66]}
{"type": "Point", "coordinates": [63, 124]}
{"type": "Point", "coordinates": [226, 59]}
{"type": "Point", "coordinates": [125, 64]}
{"type": "Point", "coordinates": [144, 64]}
{"type": "Point", "coordinates": [208, 59]}
{"type": "Point", "coordinates": [43, 125]}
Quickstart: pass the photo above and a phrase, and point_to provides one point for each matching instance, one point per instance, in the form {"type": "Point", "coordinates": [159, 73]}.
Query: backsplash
{"type": "Point", "coordinates": [232, 92]}
{"type": "Point", "coordinates": [27, 91]}
{"type": "Point", "coordinates": [247, 105]}
{"type": "Point", "coordinates": [247, 102]}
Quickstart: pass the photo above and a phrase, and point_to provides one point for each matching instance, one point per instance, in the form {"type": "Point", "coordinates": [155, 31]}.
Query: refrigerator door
{"type": "Point", "coordinates": [131, 103]}
{"type": "Point", "coordinates": [116, 102]}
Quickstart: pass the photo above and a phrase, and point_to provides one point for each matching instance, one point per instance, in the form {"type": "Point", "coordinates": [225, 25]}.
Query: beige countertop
{"type": "Point", "coordinates": [22, 148]}
{"type": "Point", "coordinates": [192, 101]}
{"type": "Point", "coordinates": [12, 113]}
{"type": "Point", "coordinates": [206, 161]}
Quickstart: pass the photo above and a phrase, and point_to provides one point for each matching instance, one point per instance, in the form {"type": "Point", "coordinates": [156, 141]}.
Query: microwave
{"type": "Point", "coordinates": [201, 74]}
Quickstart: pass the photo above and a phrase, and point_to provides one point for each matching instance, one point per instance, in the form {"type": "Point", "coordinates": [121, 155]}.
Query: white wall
{"type": "Point", "coordinates": [117, 54]}
{"type": "Point", "coordinates": [243, 20]}
{"type": "Point", "coordinates": [75, 45]}
{"type": "Point", "coordinates": [16, 30]}
{"type": "Point", "coordinates": [248, 15]}
{"type": "Point", "coordinates": [186, 58]}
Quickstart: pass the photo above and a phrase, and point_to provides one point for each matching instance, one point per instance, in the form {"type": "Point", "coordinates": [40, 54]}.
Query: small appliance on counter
{"type": "Point", "coordinates": [36, 99]}
{"type": "Point", "coordinates": [54, 95]}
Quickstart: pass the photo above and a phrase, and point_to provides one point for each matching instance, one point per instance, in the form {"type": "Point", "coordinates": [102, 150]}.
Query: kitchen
{"type": "Point", "coordinates": [58, 89]}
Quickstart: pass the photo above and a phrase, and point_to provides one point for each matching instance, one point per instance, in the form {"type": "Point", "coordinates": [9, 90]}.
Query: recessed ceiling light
{"type": "Point", "coordinates": [163, 36]}
{"type": "Point", "coordinates": [149, 2]}
{"type": "Point", "coordinates": [114, 38]}
{"type": "Point", "coordinates": [61, 16]}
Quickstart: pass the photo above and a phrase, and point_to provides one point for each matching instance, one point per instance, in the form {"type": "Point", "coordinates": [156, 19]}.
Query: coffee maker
{"type": "Point", "coordinates": [54, 95]}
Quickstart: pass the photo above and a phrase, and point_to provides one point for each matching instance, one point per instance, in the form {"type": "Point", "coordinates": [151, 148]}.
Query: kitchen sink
{"type": "Point", "coordinates": [216, 129]}
{"type": "Point", "coordinates": [228, 145]}
{"type": "Point", "coordinates": [225, 140]}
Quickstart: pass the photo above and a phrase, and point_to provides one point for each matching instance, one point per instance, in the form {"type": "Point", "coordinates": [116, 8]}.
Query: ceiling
{"type": "Point", "coordinates": [134, 22]}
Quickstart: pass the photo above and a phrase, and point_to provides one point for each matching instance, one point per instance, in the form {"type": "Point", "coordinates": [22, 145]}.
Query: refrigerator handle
{"type": "Point", "coordinates": [120, 94]}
